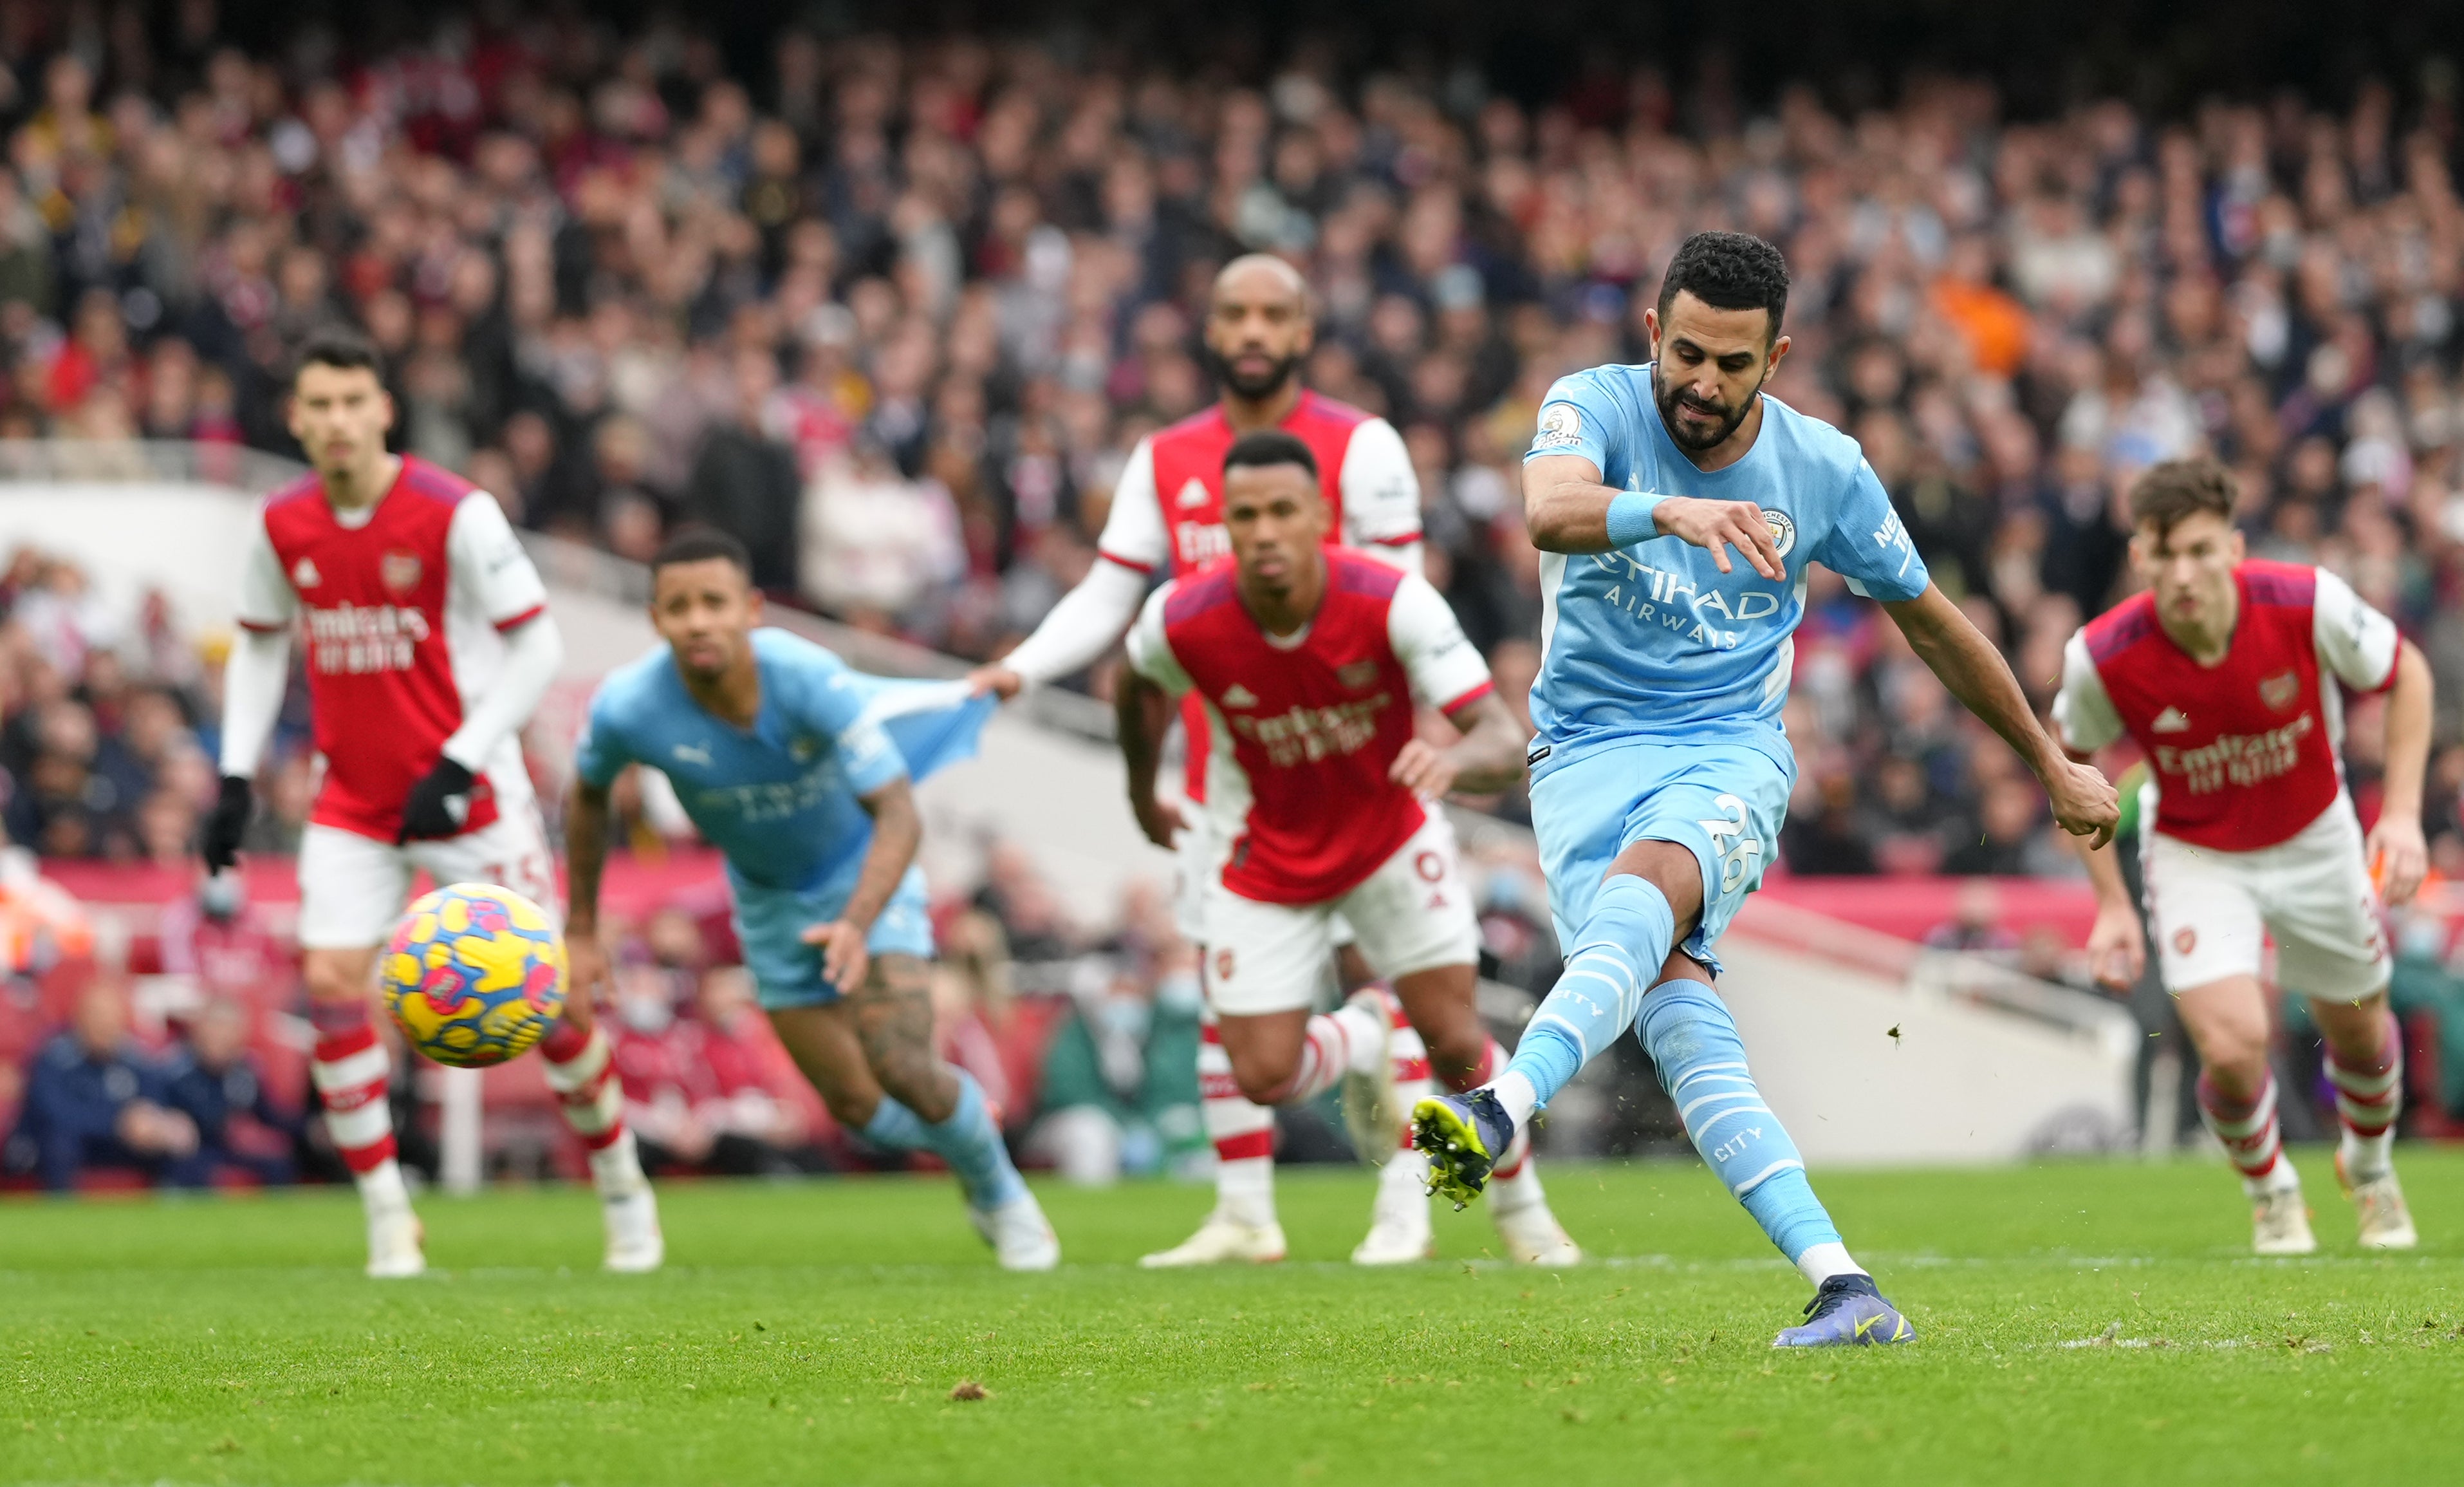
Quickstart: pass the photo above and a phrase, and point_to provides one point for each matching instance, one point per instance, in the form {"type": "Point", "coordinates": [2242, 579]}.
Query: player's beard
{"type": "Point", "coordinates": [1277, 375]}
{"type": "Point", "coordinates": [1667, 397]}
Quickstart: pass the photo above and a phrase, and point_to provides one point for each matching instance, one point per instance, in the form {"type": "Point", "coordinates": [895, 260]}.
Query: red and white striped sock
{"type": "Point", "coordinates": [1513, 1183]}
{"type": "Point", "coordinates": [1244, 1135]}
{"type": "Point", "coordinates": [2369, 1095]}
{"type": "Point", "coordinates": [2253, 1143]}
{"type": "Point", "coordinates": [582, 1070]}
{"type": "Point", "coordinates": [351, 1069]}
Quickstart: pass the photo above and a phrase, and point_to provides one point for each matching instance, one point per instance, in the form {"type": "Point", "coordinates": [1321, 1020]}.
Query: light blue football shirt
{"type": "Point", "coordinates": [1653, 642]}
{"type": "Point", "coordinates": [781, 799]}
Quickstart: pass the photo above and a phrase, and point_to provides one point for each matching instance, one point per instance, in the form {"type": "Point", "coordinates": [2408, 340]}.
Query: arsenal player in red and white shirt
{"type": "Point", "coordinates": [1309, 661]}
{"type": "Point", "coordinates": [1167, 512]}
{"type": "Point", "coordinates": [429, 646]}
{"type": "Point", "coordinates": [2225, 672]}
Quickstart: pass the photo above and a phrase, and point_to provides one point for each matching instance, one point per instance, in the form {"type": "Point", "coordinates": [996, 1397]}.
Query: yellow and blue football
{"type": "Point", "coordinates": [474, 974]}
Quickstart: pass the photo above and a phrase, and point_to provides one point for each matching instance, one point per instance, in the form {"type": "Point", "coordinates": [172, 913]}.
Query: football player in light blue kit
{"type": "Point", "coordinates": [798, 769]}
{"type": "Point", "coordinates": [1660, 771]}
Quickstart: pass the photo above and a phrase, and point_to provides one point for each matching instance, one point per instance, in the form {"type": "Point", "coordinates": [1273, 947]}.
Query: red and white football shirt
{"type": "Point", "coordinates": [1167, 512]}
{"type": "Point", "coordinates": [1306, 727]}
{"type": "Point", "coordinates": [401, 606]}
{"type": "Point", "coordinates": [2244, 753]}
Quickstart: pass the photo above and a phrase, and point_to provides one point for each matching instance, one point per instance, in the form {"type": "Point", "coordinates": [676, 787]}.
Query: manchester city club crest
{"type": "Point", "coordinates": [1783, 530]}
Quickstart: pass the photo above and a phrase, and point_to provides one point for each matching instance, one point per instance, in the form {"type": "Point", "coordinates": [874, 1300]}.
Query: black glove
{"type": "Point", "coordinates": [227, 824]}
{"type": "Point", "coordinates": [438, 804]}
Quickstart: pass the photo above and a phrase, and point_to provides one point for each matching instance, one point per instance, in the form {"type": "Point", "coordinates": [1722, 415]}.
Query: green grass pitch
{"type": "Point", "coordinates": [2091, 1324]}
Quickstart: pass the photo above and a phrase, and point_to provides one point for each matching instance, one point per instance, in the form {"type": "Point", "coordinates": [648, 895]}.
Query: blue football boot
{"type": "Point", "coordinates": [1847, 1312]}
{"type": "Point", "coordinates": [1464, 1135]}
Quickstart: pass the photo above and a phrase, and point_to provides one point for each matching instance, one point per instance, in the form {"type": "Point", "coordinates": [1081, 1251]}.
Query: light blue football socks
{"type": "Point", "coordinates": [1693, 1042]}
{"type": "Point", "coordinates": [1597, 998]}
{"type": "Point", "coordinates": [968, 1141]}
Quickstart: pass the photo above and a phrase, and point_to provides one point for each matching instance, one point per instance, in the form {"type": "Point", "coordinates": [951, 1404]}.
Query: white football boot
{"type": "Point", "coordinates": [1533, 1236]}
{"type": "Point", "coordinates": [1398, 1224]}
{"type": "Point", "coordinates": [1022, 1237]}
{"type": "Point", "coordinates": [1222, 1241]}
{"type": "Point", "coordinates": [635, 1246]}
{"type": "Point", "coordinates": [394, 1243]}
{"type": "Point", "coordinates": [2280, 1223]}
{"type": "Point", "coordinates": [2386, 1222]}
{"type": "Point", "coordinates": [627, 1207]}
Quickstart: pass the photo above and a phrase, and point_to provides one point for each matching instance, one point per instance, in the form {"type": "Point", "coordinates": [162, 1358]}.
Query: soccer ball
{"type": "Point", "coordinates": [474, 974]}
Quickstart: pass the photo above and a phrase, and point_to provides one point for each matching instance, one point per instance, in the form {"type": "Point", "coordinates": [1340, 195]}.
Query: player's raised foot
{"type": "Point", "coordinates": [2280, 1223]}
{"type": "Point", "coordinates": [1369, 1113]}
{"type": "Point", "coordinates": [2385, 1221]}
{"type": "Point", "coordinates": [1022, 1237]}
{"type": "Point", "coordinates": [1533, 1236]}
{"type": "Point", "coordinates": [394, 1244]}
{"type": "Point", "coordinates": [1463, 1135]}
{"type": "Point", "coordinates": [1847, 1311]}
{"type": "Point", "coordinates": [634, 1244]}
{"type": "Point", "coordinates": [1221, 1240]}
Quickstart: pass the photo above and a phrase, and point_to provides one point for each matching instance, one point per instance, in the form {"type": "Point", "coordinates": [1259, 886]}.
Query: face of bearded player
{"type": "Point", "coordinates": [1258, 329]}
{"type": "Point", "coordinates": [1708, 365]}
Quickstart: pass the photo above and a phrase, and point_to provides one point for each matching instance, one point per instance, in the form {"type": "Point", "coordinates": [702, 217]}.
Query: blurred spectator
{"type": "Point", "coordinates": [213, 1080]}
{"type": "Point", "coordinates": [228, 946]}
{"type": "Point", "coordinates": [1976, 923]}
{"type": "Point", "coordinates": [93, 1100]}
{"type": "Point", "coordinates": [1120, 1081]}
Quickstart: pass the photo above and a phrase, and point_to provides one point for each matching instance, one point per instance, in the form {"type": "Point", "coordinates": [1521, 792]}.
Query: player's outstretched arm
{"type": "Point", "coordinates": [1487, 759]}
{"type": "Point", "coordinates": [2083, 801]}
{"type": "Point", "coordinates": [2396, 848]}
{"type": "Point", "coordinates": [1569, 510]}
{"type": "Point", "coordinates": [896, 832]}
{"type": "Point", "coordinates": [1141, 711]}
{"type": "Point", "coordinates": [586, 816]}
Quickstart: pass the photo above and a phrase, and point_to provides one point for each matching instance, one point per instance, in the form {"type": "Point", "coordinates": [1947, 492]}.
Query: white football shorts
{"type": "Point", "coordinates": [2209, 911]}
{"type": "Point", "coordinates": [1413, 914]}
{"type": "Point", "coordinates": [352, 888]}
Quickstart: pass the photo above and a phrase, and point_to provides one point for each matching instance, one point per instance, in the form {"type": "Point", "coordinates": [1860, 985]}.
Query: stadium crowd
{"type": "Point", "coordinates": [894, 313]}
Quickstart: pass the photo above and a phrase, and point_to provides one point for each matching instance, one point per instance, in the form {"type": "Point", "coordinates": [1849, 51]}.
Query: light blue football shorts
{"type": "Point", "coordinates": [1723, 802]}
{"type": "Point", "coordinates": [770, 925]}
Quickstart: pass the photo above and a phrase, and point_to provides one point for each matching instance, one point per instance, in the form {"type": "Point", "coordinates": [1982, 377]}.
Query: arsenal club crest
{"type": "Point", "coordinates": [2280, 691]}
{"type": "Point", "coordinates": [1356, 675]}
{"type": "Point", "coordinates": [400, 570]}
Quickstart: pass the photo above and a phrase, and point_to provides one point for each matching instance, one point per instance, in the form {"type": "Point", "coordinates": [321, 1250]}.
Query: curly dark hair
{"type": "Point", "coordinates": [1729, 271]}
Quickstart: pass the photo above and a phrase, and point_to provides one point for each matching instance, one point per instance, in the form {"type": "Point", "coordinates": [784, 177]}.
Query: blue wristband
{"type": "Point", "coordinates": [1629, 520]}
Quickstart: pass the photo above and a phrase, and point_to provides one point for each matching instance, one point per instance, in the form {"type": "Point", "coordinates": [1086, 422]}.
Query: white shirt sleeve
{"type": "Point", "coordinates": [254, 676]}
{"type": "Point", "coordinates": [2355, 641]}
{"type": "Point", "coordinates": [267, 601]}
{"type": "Point", "coordinates": [2083, 715]}
{"type": "Point", "coordinates": [1446, 671]}
{"type": "Point", "coordinates": [1134, 530]}
{"type": "Point", "coordinates": [1151, 652]}
{"type": "Point", "coordinates": [1381, 496]}
{"type": "Point", "coordinates": [1083, 626]}
{"type": "Point", "coordinates": [490, 567]}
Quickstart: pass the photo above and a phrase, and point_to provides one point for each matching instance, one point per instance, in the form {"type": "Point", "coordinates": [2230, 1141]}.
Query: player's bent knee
{"type": "Point", "coordinates": [1672, 868]}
